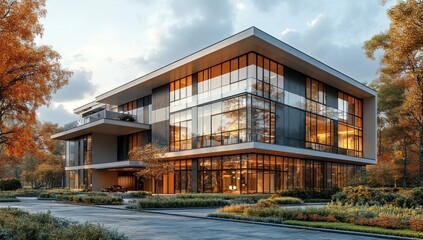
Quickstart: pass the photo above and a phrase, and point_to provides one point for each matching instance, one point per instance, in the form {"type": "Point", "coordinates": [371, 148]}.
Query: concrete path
{"type": "Point", "coordinates": [148, 225]}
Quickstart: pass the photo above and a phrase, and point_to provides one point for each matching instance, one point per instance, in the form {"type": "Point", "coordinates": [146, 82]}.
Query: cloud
{"type": "Point", "coordinates": [313, 22]}
{"type": "Point", "coordinates": [79, 86]}
{"type": "Point", "coordinates": [185, 30]}
{"type": "Point", "coordinates": [337, 41]}
{"type": "Point", "coordinates": [56, 114]}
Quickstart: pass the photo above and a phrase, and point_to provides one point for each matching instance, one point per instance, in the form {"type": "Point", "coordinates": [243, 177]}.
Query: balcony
{"type": "Point", "coordinates": [105, 122]}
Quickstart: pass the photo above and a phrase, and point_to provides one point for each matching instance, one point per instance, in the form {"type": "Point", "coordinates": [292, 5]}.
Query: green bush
{"type": "Point", "coordinates": [286, 200]}
{"type": "Point", "coordinates": [360, 195]}
{"type": "Point", "coordinates": [174, 202]}
{"type": "Point", "coordinates": [225, 196]}
{"type": "Point", "coordinates": [134, 194]}
{"type": "Point", "coordinates": [26, 192]}
{"type": "Point", "coordinates": [96, 200]}
{"type": "Point", "coordinates": [17, 224]}
{"type": "Point", "coordinates": [10, 184]}
{"type": "Point", "coordinates": [308, 194]}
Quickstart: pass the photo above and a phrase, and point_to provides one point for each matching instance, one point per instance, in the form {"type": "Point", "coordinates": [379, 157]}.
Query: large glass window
{"type": "Point", "coordinates": [223, 122]}
{"type": "Point", "coordinates": [140, 109]}
{"type": "Point", "coordinates": [181, 130]}
{"type": "Point", "coordinates": [79, 151]}
{"type": "Point", "coordinates": [263, 120]}
{"type": "Point", "coordinates": [260, 173]}
{"type": "Point", "coordinates": [127, 142]}
{"type": "Point", "coordinates": [265, 77]}
{"type": "Point", "coordinates": [320, 133]}
{"type": "Point", "coordinates": [222, 78]}
{"type": "Point", "coordinates": [350, 125]}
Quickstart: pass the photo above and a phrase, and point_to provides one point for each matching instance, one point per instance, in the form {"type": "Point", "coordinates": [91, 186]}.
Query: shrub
{"type": "Point", "coordinates": [360, 195]}
{"type": "Point", "coordinates": [134, 194]}
{"type": "Point", "coordinates": [25, 192]}
{"type": "Point", "coordinates": [172, 202]}
{"type": "Point", "coordinates": [308, 194]}
{"type": "Point", "coordinates": [97, 200]}
{"type": "Point", "coordinates": [17, 224]}
{"type": "Point", "coordinates": [384, 222]}
{"type": "Point", "coordinates": [285, 200]}
{"type": "Point", "coordinates": [417, 195]}
{"type": "Point", "coordinates": [10, 184]}
{"type": "Point", "coordinates": [238, 208]}
{"type": "Point", "coordinates": [416, 224]}
{"type": "Point", "coordinates": [224, 196]}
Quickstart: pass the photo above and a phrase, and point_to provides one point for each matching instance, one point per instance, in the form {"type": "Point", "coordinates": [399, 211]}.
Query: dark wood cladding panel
{"type": "Point", "coordinates": [160, 97]}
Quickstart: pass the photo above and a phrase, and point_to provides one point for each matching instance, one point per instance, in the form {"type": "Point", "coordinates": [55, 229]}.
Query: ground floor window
{"type": "Point", "coordinates": [256, 173]}
{"type": "Point", "coordinates": [79, 179]}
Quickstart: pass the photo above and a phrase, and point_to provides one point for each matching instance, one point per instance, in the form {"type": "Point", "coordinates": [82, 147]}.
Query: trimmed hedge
{"type": "Point", "coordinates": [18, 224]}
{"type": "Point", "coordinates": [10, 184]}
{"type": "Point", "coordinates": [172, 202]}
{"type": "Point", "coordinates": [134, 194]}
{"type": "Point", "coordinates": [251, 197]}
{"type": "Point", "coordinates": [286, 200]}
{"type": "Point", "coordinates": [96, 200]}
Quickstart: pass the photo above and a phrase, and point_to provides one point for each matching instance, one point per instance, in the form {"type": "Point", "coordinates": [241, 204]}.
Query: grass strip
{"type": "Point", "coordinates": [356, 228]}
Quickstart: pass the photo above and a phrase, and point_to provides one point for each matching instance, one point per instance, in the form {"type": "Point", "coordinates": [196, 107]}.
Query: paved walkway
{"type": "Point", "coordinates": [148, 225]}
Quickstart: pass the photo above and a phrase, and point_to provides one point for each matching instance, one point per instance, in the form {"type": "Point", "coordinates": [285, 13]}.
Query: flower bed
{"type": "Point", "coordinates": [385, 217]}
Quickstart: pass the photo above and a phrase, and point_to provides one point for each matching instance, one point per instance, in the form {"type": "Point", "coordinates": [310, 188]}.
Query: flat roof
{"type": "Point", "coordinates": [251, 39]}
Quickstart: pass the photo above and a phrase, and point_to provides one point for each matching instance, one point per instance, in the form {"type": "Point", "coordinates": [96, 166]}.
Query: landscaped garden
{"type": "Point", "coordinates": [18, 224]}
{"type": "Point", "coordinates": [196, 200]}
{"type": "Point", "coordinates": [362, 209]}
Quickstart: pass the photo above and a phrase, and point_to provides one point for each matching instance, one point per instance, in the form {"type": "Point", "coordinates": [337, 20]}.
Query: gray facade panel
{"type": "Point", "coordinates": [279, 125]}
{"type": "Point", "coordinates": [293, 127]}
{"type": "Point", "coordinates": [295, 82]}
{"type": "Point", "coordinates": [160, 133]}
{"type": "Point", "coordinates": [332, 96]}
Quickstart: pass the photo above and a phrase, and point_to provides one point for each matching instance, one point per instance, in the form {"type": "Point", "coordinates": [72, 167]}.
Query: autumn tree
{"type": "Point", "coordinates": [44, 163]}
{"type": "Point", "coordinates": [153, 158]}
{"type": "Point", "coordinates": [29, 73]}
{"type": "Point", "coordinates": [402, 62]}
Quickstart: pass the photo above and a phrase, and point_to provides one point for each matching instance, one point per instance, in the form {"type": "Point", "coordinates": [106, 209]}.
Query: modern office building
{"type": "Point", "coordinates": [249, 114]}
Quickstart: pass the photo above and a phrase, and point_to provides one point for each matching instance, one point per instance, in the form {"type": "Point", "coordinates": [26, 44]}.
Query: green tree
{"type": "Point", "coordinates": [153, 158]}
{"type": "Point", "coordinates": [402, 62]}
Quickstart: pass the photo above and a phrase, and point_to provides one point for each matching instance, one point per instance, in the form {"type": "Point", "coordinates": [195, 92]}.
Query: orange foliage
{"type": "Point", "coordinates": [29, 73]}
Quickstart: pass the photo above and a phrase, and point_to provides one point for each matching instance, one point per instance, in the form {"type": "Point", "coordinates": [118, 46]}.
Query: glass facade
{"type": "Point", "coordinates": [222, 122]}
{"type": "Point", "coordinates": [236, 102]}
{"type": "Point", "coordinates": [79, 151]}
{"type": "Point", "coordinates": [257, 173]}
{"type": "Point", "coordinates": [181, 130]}
{"type": "Point", "coordinates": [140, 108]}
{"type": "Point", "coordinates": [79, 179]}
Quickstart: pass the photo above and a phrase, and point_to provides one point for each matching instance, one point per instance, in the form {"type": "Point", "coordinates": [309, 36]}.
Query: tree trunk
{"type": "Point", "coordinates": [156, 185]}
{"type": "Point", "coordinates": [404, 176]}
{"type": "Point", "coordinates": [421, 153]}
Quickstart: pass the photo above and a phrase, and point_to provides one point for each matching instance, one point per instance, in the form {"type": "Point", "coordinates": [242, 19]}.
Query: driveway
{"type": "Point", "coordinates": [150, 225]}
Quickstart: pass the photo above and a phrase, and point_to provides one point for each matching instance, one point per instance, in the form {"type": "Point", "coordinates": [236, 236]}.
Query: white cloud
{"type": "Point", "coordinates": [127, 39]}
{"type": "Point", "coordinates": [315, 21]}
{"type": "Point", "coordinates": [287, 31]}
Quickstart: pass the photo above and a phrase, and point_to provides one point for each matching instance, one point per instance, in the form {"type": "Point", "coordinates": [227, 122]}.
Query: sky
{"type": "Point", "coordinates": [108, 43]}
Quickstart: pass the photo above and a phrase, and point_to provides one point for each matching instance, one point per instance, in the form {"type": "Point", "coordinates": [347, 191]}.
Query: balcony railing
{"type": "Point", "coordinates": [101, 115]}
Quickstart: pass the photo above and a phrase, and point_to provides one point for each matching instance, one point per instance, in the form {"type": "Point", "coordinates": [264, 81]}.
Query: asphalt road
{"type": "Point", "coordinates": [143, 225]}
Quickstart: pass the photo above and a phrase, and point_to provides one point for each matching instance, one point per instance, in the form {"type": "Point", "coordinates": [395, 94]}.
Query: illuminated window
{"type": "Point", "coordinates": [180, 130]}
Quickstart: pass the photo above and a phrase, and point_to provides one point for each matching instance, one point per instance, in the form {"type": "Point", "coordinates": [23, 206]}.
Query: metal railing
{"type": "Point", "coordinates": [101, 115]}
